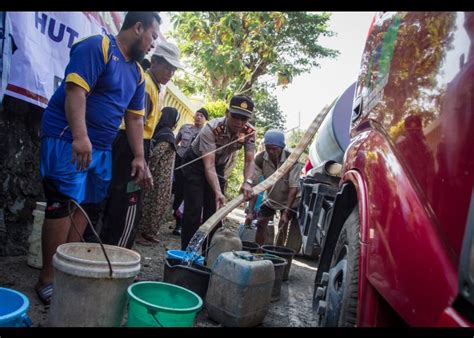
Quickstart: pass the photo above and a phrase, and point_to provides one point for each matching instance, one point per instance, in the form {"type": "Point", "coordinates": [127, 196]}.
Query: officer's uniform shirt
{"type": "Point", "coordinates": [185, 136]}
{"type": "Point", "coordinates": [216, 134]}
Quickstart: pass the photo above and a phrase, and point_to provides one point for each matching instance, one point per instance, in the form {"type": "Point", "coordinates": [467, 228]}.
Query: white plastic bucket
{"type": "Point", "coordinates": [35, 257]}
{"type": "Point", "coordinates": [84, 293]}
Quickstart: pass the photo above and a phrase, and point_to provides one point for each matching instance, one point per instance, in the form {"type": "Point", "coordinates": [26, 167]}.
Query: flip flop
{"type": "Point", "coordinates": [45, 293]}
{"type": "Point", "coordinates": [143, 242]}
{"type": "Point", "coordinates": [152, 239]}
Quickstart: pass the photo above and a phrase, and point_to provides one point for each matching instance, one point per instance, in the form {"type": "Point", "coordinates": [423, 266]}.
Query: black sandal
{"type": "Point", "coordinates": [45, 293]}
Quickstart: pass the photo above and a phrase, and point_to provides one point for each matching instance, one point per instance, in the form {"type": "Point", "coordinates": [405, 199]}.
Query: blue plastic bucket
{"type": "Point", "coordinates": [179, 254]}
{"type": "Point", "coordinates": [13, 309]}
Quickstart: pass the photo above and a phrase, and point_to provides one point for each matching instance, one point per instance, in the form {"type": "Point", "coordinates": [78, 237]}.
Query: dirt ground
{"type": "Point", "coordinates": [294, 309]}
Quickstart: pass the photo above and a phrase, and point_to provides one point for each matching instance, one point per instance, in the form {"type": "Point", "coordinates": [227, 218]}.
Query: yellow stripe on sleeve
{"type": "Point", "coordinates": [77, 79]}
{"type": "Point", "coordinates": [142, 73]}
{"type": "Point", "coordinates": [105, 48]}
{"type": "Point", "coordinates": [138, 112]}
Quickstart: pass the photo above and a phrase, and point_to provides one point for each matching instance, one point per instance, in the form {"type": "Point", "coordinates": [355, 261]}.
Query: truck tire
{"type": "Point", "coordinates": [342, 288]}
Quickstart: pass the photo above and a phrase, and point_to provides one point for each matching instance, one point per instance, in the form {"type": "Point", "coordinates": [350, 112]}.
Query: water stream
{"type": "Point", "coordinates": [193, 247]}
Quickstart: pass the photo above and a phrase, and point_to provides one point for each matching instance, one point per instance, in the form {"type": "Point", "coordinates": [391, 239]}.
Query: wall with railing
{"type": "Point", "coordinates": [175, 98]}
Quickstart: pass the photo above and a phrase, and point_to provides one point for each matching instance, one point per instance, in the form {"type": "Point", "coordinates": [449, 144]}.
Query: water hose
{"type": "Point", "coordinates": [212, 221]}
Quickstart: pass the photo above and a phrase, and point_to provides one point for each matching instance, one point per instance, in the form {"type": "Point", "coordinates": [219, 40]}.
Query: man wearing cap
{"type": "Point", "coordinates": [124, 204]}
{"type": "Point", "coordinates": [283, 196]}
{"type": "Point", "coordinates": [185, 136]}
{"type": "Point", "coordinates": [207, 157]}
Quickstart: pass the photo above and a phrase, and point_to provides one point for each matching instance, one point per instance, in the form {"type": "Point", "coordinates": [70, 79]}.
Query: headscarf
{"type": "Point", "coordinates": [163, 131]}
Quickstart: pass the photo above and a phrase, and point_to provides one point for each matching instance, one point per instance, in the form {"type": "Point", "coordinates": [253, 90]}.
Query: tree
{"type": "Point", "coordinates": [247, 53]}
{"type": "Point", "coordinates": [293, 138]}
{"type": "Point", "coordinates": [231, 51]}
{"type": "Point", "coordinates": [267, 113]}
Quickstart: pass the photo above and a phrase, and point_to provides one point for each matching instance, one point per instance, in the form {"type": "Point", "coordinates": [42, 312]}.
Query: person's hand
{"type": "Point", "coordinates": [148, 177]}
{"type": "Point", "coordinates": [246, 189]}
{"type": "Point", "coordinates": [249, 218]}
{"type": "Point", "coordinates": [81, 153]}
{"type": "Point", "coordinates": [141, 173]}
{"type": "Point", "coordinates": [220, 200]}
{"type": "Point", "coordinates": [285, 217]}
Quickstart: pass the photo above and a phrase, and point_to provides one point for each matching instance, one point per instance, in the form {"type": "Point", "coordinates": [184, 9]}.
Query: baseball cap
{"type": "Point", "coordinates": [241, 105]}
{"type": "Point", "coordinates": [170, 52]}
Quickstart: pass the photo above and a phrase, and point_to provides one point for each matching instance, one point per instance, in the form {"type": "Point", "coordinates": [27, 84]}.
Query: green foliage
{"type": "Point", "coordinates": [232, 50]}
{"type": "Point", "coordinates": [216, 108]}
{"type": "Point", "coordinates": [267, 113]}
{"type": "Point", "coordinates": [293, 138]}
{"type": "Point", "coordinates": [236, 177]}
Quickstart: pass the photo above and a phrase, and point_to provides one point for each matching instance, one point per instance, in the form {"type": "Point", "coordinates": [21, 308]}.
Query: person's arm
{"type": "Point", "coordinates": [209, 161]}
{"type": "Point", "coordinates": [293, 181]}
{"type": "Point", "coordinates": [251, 207]}
{"type": "Point", "coordinates": [134, 122]}
{"type": "Point", "coordinates": [86, 64]}
{"type": "Point", "coordinates": [180, 135]}
{"type": "Point", "coordinates": [253, 199]}
{"type": "Point", "coordinates": [291, 198]}
{"type": "Point", "coordinates": [134, 130]}
{"type": "Point", "coordinates": [249, 147]}
{"type": "Point", "coordinates": [75, 107]}
{"type": "Point", "coordinates": [285, 214]}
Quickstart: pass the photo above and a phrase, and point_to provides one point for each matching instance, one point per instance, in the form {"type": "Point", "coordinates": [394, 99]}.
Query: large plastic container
{"type": "Point", "coordinates": [224, 240]}
{"type": "Point", "coordinates": [84, 293]}
{"type": "Point", "coordinates": [13, 309]}
{"type": "Point", "coordinates": [283, 252]}
{"type": "Point", "coordinates": [247, 233]}
{"type": "Point", "coordinates": [194, 277]}
{"type": "Point", "coordinates": [240, 289]}
{"type": "Point", "coordinates": [158, 304]}
{"type": "Point", "coordinates": [35, 256]}
{"type": "Point", "coordinates": [180, 254]}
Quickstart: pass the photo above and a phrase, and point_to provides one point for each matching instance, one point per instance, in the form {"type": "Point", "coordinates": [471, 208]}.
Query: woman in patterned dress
{"type": "Point", "coordinates": [157, 200]}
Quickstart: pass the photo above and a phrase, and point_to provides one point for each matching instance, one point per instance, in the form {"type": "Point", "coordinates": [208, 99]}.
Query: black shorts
{"type": "Point", "coordinates": [57, 202]}
{"type": "Point", "coordinates": [266, 211]}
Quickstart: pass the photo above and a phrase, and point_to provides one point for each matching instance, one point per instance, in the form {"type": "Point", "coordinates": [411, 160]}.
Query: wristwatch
{"type": "Point", "coordinates": [249, 181]}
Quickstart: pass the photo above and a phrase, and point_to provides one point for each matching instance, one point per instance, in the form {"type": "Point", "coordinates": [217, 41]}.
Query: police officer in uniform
{"type": "Point", "coordinates": [204, 178]}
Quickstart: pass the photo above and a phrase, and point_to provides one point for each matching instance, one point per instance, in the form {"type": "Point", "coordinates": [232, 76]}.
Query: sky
{"type": "Point", "coordinates": [310, 92]}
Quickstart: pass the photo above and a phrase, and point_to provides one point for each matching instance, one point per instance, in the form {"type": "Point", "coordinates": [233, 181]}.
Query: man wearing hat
{"type": "Point", "coordinates": [125, 199]}
{"type": "Point", "coordinates": [283, 196]}
{"type": "Point", "coordinates": [185, 136]}
{"type": "Point", "coordinates": [207, 157]}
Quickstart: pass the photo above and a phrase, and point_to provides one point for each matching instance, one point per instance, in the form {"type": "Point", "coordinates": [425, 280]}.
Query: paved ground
{"type": "Point", "coordinates": [293, 309]}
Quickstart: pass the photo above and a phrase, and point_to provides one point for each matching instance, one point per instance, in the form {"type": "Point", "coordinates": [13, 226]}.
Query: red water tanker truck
{"type": "Point", "coordinates": [393, 231]}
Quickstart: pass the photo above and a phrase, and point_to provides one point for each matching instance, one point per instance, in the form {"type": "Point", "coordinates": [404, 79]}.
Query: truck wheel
{"type": "Point", "coordinates": [340, 305]}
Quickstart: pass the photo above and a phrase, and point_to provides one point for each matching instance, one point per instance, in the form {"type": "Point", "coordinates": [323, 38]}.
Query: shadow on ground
{"type": "Point", "coordinates": [294, 309]}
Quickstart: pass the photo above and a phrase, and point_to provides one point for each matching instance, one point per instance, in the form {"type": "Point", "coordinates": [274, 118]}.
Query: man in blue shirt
{"type": "Point", "coordinates": [103, 84]}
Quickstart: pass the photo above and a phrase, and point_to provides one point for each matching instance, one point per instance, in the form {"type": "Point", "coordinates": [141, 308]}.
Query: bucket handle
{"type": "Point", "coordinates": [26, 320]}
{"type": "Point", "coordinates": [153, 314]}
{"type": "Point", "coordinates": [92, 228]}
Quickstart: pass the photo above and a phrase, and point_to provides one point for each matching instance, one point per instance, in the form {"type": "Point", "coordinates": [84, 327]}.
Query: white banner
{"type": "Point", "coordinates": [43, 41]}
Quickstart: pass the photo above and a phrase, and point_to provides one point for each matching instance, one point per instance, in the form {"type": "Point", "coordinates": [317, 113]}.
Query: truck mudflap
{"type": "Point", "coordinates": [318, 192]}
